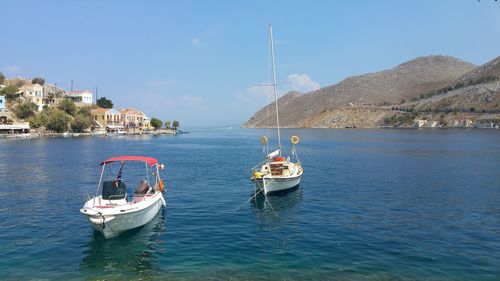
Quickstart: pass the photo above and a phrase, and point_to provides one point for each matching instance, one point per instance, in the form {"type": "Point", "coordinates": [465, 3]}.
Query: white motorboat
{"type": "Point", "coordinates": [276, 172]}
{"type": "Point", "coordinates": [113, 210]}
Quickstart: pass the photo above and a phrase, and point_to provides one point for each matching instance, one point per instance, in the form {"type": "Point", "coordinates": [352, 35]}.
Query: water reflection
{"type": "Point", "coordinates": [130, 253]}
{"type": "Point", "coordinates": [279, 202]}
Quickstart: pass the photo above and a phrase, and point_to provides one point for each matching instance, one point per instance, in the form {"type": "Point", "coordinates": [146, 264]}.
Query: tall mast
{"type": "Point", "coordinates": [274, 86]}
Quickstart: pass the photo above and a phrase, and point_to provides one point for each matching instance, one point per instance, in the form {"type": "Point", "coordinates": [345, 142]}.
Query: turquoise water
{"type": "Point", "coordinates": [372, 205]}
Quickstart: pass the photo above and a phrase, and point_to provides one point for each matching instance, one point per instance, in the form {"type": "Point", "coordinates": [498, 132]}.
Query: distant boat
{"type": "Point", "coordinates": [276, 172]}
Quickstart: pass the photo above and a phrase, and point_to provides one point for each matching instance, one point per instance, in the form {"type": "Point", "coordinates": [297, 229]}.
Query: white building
{"type": "Point", "coordinates": [81, 96]}
{"type": "Point", "coordinates": [419, 123]}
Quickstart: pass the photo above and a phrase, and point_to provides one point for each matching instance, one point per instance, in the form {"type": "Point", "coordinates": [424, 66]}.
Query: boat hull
{"type": "Point", "coordinates": [273, 185]}
{"type": "Point", "coordinates": [111, 225]}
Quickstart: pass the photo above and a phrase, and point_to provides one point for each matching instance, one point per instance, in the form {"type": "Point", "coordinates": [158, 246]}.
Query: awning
{"type": "Point", "coordinates": [15, 127]}
{"type": "Point", "coordinates": [151, 161]}
{"type": "Point", "coordinates": [114, 127]}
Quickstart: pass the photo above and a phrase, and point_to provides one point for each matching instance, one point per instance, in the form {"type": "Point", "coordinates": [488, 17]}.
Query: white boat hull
{"type": "Point", "coordinates": [269, 185]}
{"type": "Point", "coordinates": [113, 222]}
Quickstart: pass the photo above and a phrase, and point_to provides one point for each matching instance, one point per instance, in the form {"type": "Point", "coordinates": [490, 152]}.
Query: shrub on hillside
{"type": "Point", "coordinates": [25, 110]}
{"type": "Point", "coordinates": [80, 123]}
{"type": "Point", "coordinates": [68, 106]}
{"type": "Point", "coordinates": [58, 121]}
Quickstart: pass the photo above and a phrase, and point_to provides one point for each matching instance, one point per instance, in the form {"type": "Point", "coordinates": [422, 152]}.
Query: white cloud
{"type": "Point", "coordinates": [11, 70]}
{"type": "Point", "coordinates": [195, 41]}
{"type": "Point", "coordinates": [302, 83]}
{"type": "Point", "coordinates": [256, 94]}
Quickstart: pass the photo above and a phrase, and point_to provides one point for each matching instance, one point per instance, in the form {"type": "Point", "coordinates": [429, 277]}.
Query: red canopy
{"type": "Point", "coordinates": [151, 161]}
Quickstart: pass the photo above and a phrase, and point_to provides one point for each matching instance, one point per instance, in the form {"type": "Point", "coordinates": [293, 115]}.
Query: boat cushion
{"type": "Point", "coordinates": [142, 188]}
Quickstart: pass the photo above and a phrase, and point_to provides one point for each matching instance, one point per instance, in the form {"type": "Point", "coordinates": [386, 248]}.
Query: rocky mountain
{"type": "Point", "coordinates": [266, 114]}
{"type": "Point", "coordinates": [477, 90]}
{"type": "Point", "coordinates": [487, 72]}
{"type": "Point", "coordinates": [352, 100]}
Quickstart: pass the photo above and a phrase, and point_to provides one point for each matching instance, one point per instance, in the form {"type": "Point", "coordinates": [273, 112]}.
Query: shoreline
{"type": "Point", "coordinates": [74, 135]}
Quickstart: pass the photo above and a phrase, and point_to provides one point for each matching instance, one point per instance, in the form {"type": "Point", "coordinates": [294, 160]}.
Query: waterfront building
{"type": "Point", "coordinates": [132, 119]}
{"type": "Point", "coordinates": [21, 128]}
{"type": "Point", "coordinates": [3, 106]}
{"type": "Point", "coordinates": [107, 119]}
{"type": "Point", "coordinates": [419, 123]}
{"type": "Point", "coordinates": [33, 93]}
{"type": "Point", "coordinates": [146, 123]}
{"type": "Point", "coordinates": [85, 97]}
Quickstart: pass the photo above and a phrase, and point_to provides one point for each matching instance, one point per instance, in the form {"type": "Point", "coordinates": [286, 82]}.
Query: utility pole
{"type": "Point", "coordinates": [95, 94]}
{"type": "Point", "coordinates": [72, 85]}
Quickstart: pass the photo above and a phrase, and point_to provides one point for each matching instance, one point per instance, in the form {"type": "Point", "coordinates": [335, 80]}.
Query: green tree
{"type": "Point", "coordinates": [58, 121]}
{"type": "Point", "coordinates": [9, 92]}
{"type": "Point", "coordinates": [38, 80]}
{"type": "Point", "coordinates": [175, 124]}
{"type": "Point", "coordinates": [104, 103]}
{"type": "Point", "coordinates": [25, 110]}
{"type": "Point", "coordinates": [167, 124]}
{"type": "Point", "coordinates": [80, 123]}
{"type": "Point", "coordinates": [156, 123]}
{"type": "Point", "coordinates": [85, 111]}
{"type": "Point", "coordinates": [68, 105]}
{"type": "Point", "coordinates": [39, 120]}
{"type": "Point", "coordinates": [2, 78]}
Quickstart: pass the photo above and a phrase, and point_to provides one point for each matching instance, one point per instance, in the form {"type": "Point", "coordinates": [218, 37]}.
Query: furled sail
{"type": "Point", "coordinates": [274, 153]}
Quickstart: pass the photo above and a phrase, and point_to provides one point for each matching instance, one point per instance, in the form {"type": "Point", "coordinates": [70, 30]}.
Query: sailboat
{"type": "Point", "coordinates": [277, 172]}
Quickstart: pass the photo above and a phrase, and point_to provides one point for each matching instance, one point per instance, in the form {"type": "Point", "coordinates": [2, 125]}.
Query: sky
{"type": "Point", "coordinates": [203, 62]}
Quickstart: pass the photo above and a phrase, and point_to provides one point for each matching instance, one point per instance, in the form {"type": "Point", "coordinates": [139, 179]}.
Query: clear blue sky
{"type": "Point", "coordinates": [199, 61]}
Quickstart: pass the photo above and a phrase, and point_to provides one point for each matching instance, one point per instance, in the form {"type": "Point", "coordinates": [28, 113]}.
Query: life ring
{"type": "Point", "coordinates": [294, 139]}
{"type": "Point", "coordinates": [160, 185]}
{"type": "Point", "coordinates": [263, 140]}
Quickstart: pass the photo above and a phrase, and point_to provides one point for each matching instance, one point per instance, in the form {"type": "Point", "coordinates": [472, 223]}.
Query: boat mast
{"type": "Point", "coordinates": [274, 85]}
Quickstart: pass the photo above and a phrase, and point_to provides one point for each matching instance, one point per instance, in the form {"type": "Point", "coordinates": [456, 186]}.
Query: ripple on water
{"type": "Point", "coordinates": [373, 205]}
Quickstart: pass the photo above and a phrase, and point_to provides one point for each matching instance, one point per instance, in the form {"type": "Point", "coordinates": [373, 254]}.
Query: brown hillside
{"type": "Point", "coordinates": [401, 83]}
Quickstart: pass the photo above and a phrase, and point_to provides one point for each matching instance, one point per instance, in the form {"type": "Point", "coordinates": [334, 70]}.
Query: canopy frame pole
{"type": "Point", "coordinates": [99, 184]}
{"type": "Point", "coordinates": [147, 173]}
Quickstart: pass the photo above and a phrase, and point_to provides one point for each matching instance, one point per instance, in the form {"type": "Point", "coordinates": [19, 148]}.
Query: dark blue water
{"type": "Point", "coordinates": [372, 205]}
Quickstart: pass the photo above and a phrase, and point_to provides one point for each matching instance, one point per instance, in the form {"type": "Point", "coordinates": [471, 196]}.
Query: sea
{"type": "Point", "coordinates": [377, 204]}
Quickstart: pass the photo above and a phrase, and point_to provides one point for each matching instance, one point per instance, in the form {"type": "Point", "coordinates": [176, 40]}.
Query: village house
{"type": "Point", "coordinates": [50, 90]}
{"type": "Point", "coordinates": [85, 97]}
{"type": "Point", "coordinates": [432, 124]}
{"type": "Point", "coordinates": [419, 123]}
{"type": "Point", "coordinates": [32, 93]}
{"type": "Point", "coordinates": [132, 119]}
{"type": "Point", "coordinates": [465, 123]}
{"type": "Point", "coordinates": [107, 119]}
